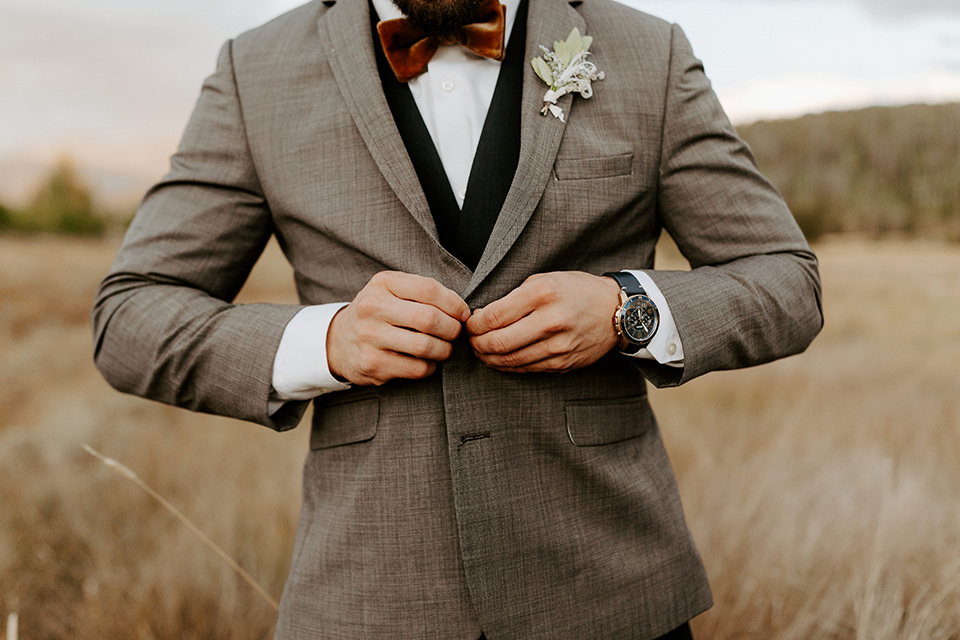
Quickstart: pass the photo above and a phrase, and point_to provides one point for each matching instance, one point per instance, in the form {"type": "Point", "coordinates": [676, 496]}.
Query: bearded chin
{"type": "Point", "coordinates": [438, 17]}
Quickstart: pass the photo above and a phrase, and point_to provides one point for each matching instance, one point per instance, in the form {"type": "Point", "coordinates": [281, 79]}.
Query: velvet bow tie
{"type": "Point", "coordinates": [408, 49]}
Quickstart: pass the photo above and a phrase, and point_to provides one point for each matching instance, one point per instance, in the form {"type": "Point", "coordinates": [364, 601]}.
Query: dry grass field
{"type": "Point", "coordinates": [822, 490]}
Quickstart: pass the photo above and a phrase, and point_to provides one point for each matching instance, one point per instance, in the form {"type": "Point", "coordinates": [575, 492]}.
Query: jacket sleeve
{"type": "Point", "coordinates": [753, 292]}
{"type": "Point", "coordinates": [163, 323]}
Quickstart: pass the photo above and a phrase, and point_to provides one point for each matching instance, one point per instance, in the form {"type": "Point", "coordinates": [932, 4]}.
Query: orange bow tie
{"type": "Point", "coordinates": [408, 49]}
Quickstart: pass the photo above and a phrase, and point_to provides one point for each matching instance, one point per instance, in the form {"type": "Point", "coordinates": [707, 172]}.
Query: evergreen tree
{"type": "Point", "coordinates": [63, 204]}
{"type": "Point", "coordinates": [5, 220]}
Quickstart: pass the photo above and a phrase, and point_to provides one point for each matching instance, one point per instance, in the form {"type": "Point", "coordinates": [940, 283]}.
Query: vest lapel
{"type": "Point", "coordinates": [346, 26]}
{"type": "Point", "coordinates": [498, 151]}
{"type": "Point", "coordinates": [465, 233]}
{"type": "Point", "coordinates": [423, 154]}
{"type": "Point", "coordinates": [548, 21]}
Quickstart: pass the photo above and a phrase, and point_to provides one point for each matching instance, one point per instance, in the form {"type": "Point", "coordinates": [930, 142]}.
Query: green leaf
{"type": "Point", "coordinates": [560, 48]}
{"type": "Point", "coordinates": [542, 70]}
{"type": "Point", "coordinates": [574, 43]}
{"type": "Point", "coordinates": [587, 41]}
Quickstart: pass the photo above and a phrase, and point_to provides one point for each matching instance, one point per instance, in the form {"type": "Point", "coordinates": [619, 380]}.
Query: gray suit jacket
{"type": "Point", "coordinates": [531, 506]}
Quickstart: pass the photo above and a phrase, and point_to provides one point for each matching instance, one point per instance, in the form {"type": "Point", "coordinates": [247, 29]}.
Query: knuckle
{"type": "Point", "coordinates": [555, 323]}
{"type": "Point", "coordinates": [545, 290]}
{"type": "Point", "coordinates": [496, 317]}
{"type": "Point", "coordinates": [369, 362]}
{"type": "Point", "coordinates": [427, 319]}
{"type": "Point", "coordinates": [367, 305]}
{"type": "Point", "coordinates": [444, 351]}
{"type": "Point", "coordinates": [366, 332]}
{"type": "Point", "coordinates": [422, 369]}
{"type": "Point", "coordinates": [497, 344]}
{"type": "Point", "coordinates": [510, 360]}
{"type": "Point", "coordinates": [422, 346]}
{"type": "Point", "coordinates": [556, 347]}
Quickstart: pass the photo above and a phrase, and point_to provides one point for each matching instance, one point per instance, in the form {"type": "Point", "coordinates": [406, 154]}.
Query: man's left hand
{"type": "Point", "coordinates": [553, 322]}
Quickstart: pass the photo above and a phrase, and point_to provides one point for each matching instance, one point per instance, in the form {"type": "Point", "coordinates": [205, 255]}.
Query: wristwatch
{"type": "Point", "coordinates": [637, 318]}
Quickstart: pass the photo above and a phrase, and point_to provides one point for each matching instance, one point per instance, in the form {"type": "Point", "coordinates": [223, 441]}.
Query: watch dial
{"type": "Point", "coordinates": [640, 319]}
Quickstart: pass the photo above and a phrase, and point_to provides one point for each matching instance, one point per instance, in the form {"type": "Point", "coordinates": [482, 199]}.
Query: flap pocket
{"type": "Point", "coordinates": [345, 423]}
{"type": "Point", "coordinates": [592, 168]}
{"type": "Point", "coordinates": [595, 422]}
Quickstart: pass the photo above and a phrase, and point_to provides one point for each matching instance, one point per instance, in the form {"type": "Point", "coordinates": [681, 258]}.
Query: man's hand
{"type": "Point", "coordinates": [552, 322]}
{"type": "Point", "coordinates": [399, 326]}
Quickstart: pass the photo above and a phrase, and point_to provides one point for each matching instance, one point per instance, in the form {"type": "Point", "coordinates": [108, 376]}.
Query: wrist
{"type": "Point", "coordinates": [333, 347]}
{"type": "Point", "coordinates": [611, 297]}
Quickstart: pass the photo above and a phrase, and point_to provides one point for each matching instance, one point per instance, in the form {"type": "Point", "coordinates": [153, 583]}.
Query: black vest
{"type": "Point", "coordinates": [464, 232]}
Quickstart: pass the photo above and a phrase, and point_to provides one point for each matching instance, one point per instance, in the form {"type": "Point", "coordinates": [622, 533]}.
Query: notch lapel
{"type": "Point", "coordinates": [346, 27]}
{"type": "Point", "coordinates": [540, 136]}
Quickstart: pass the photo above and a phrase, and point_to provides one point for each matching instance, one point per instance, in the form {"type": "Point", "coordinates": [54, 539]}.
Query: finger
{"type": "Point", "coordinates": [549, 365]}
{"type": "Point", "coordinates": [385, 308]}
{"type": "Point", "coordinates": [517, 304]}
{"type": "Point", "coordinates": [540, 367]}
{"type": "Point", "coordinates": [522, 333]}
{"type": "Point", "coordinates": [413, 343]}
{"type": "Point", "coordinates": [536, 352]}
{"type": "Point", "coordinates": [377, 366]}
{"type": "Point", "coordinates": [421, 317]}
{"type": "Point", "coordinates": [416, 288]}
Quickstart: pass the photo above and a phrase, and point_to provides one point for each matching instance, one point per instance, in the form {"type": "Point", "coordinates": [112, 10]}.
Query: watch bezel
{"type": "Point", "coordinates": [633, 304]}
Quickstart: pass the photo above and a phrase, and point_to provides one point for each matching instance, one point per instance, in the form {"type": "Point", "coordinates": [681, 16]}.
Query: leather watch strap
{"type": "Point", "coordinates": [628, 282]}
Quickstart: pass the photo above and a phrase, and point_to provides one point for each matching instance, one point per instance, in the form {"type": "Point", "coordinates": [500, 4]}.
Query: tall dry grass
{"type": "Point", "coordinates": [821, 489]}
{"type": "Point", "coordinates": [85, 554]}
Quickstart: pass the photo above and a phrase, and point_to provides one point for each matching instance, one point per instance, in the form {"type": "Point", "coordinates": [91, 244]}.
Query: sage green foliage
{"type": "Point", "coordinates": [543, 71]}
{"type": "Point", "coordinates": [564, 52]}
{"type": "Point", "coordinates": [62, 204]}
{"type": "Point", "coordinates": [878, 171]}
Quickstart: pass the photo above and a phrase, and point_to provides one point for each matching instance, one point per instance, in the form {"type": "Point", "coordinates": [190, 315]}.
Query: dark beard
{"type": "Point", "coordinates": [438, 17]}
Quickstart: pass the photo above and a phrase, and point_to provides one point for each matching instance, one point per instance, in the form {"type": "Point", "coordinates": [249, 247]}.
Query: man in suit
{"type": "Point", "coordinates": [483, 459]}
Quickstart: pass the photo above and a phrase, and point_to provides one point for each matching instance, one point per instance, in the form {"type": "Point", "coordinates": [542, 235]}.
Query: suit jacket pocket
{"type": "Point", "coordinates": [341, 423]}
{"type": "Point", "coordinates": [592, 168]}
{"type": "Point", "coordinates": [605, 421]}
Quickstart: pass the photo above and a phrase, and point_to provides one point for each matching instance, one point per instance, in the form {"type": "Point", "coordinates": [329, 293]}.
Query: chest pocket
{"type": "Point", "coordinates": [593, 168]}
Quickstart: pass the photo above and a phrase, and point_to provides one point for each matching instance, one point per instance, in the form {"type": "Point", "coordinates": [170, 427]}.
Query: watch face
{"type": "Point", "coordinates": [639, 319]}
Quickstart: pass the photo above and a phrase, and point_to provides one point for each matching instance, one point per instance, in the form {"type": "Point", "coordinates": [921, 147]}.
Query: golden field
{"type": "Point", "coordinates": [823, 490]}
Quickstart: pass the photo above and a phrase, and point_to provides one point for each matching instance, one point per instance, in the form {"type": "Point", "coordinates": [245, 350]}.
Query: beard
{"type": "Point", "coordinates": [438, 17]}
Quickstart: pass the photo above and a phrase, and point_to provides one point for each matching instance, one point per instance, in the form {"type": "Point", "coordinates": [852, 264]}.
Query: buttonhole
{"type": "Point", "coordinates": [473, 438]}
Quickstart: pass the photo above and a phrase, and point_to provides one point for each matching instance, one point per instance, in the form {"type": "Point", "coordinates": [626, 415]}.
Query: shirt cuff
{"type": "Point", "coordinates": [300, 370]}
{"type": "Point", "coordinates": [665, 347]}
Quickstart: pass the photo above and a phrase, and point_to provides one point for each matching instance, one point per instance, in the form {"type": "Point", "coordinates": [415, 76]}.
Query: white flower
{"type": "Point", "coordinates": [566, 70]}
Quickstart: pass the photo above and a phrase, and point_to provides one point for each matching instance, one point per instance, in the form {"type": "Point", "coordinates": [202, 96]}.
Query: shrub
{"type": "Point", "coordinates": [62, 204]}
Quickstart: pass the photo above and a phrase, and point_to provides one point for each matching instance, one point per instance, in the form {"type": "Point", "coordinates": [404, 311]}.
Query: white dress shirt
{"type": "Point", "coordinates": [453, 97]}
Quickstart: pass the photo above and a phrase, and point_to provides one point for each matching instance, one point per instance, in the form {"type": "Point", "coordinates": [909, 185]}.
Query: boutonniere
{"type": "Point", "coordinates": [566, 70]}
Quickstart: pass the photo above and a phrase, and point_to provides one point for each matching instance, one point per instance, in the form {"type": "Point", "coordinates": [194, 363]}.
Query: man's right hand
{"type": "Point", "coordinates": [400, 325]}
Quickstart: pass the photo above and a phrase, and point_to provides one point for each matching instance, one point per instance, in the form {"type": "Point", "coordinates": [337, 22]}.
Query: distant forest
{"type": "Point", "coordinates": [878, 171]}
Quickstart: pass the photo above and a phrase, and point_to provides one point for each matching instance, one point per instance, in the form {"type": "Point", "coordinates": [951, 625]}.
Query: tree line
{"type": "Point", "coordinates": [879, 171]}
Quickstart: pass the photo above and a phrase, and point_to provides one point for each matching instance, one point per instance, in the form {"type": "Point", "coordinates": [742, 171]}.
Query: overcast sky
{"type": "Point", "coordinates": [112, 82]}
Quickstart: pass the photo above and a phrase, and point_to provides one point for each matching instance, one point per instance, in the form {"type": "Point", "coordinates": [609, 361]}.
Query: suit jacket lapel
{"type": "Point", "coordinates": [346, 26]}
{"type": "Point", "coordinates": [548, 21]}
